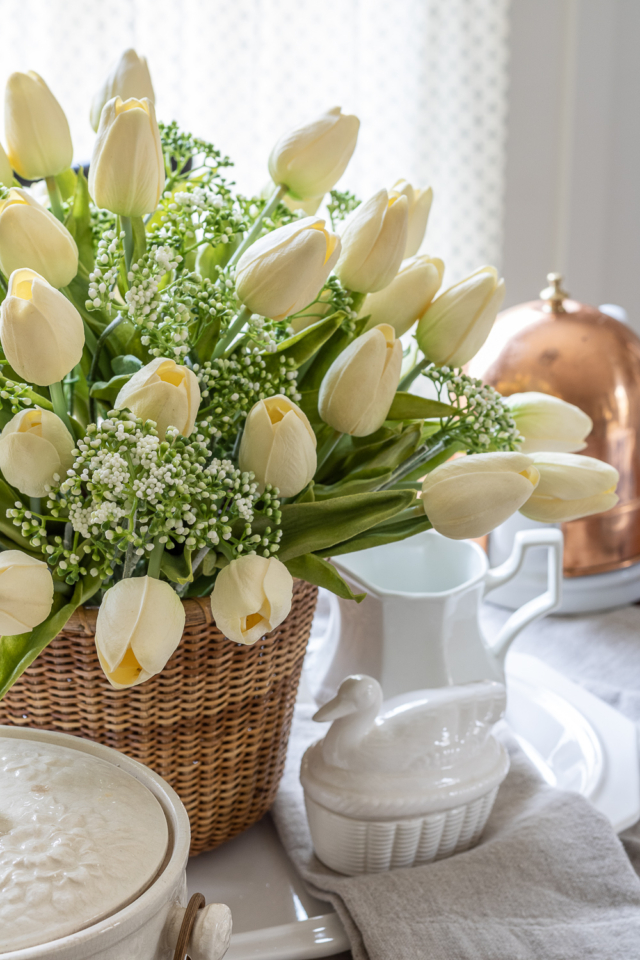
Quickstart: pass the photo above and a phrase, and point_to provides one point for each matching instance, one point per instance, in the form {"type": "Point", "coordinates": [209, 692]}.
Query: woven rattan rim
{"type": "Point", "coordinates": [196, 903]}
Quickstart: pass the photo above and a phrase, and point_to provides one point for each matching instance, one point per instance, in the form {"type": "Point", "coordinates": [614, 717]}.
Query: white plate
{"type": "Point", "coordinates": [574, 739]}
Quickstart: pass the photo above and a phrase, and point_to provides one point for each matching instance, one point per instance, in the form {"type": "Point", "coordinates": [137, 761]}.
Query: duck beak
{"type": "Point", "coordinates": [334, 710]}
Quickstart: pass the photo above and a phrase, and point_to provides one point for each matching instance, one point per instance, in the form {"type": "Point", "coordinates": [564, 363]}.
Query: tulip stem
{"type": "Point", "coordinates": [127, 228]}
{"type": "Point", "coordinates": [55, 197]}
{"type": "Point", "coordinates": [106, 333]}
{"type": "Point", "coordinates": [253, 234]}
{"type": "Point", "coordinates": [408, 378]}
{"type": "Point", "coordinates": [56, 392]}
{"type": "Point", "coordinates": [155, 559]}
{"type": "Point", "coordinates": [34, 505]}
{"type": "Point", "coordinates": [422, 455]}
{"type": "Point", "coordinates": [232, 332]}
{"type": "Point", "coordinates": [327, 449]}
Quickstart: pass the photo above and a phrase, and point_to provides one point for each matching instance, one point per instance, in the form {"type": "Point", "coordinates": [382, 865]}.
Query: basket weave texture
{"type": "Point", "coordinates": [215, 723]}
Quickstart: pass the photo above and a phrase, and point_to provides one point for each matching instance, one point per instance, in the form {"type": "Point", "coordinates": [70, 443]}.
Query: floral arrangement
{"type": "Point", "coordinates": [205, 393]}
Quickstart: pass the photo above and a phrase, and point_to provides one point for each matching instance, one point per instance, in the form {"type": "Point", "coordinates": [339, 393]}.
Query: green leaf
{"type": "Point", "coordinates": [309, 405]}
{"type": "Point", "coordinates": [309, 527]}
{"type": "Point", "coordinates": [67, 182]}
{"type": "Point", "coordinates": [389, 454]}
{"type": "Point", "coordinates": [361, 481]}
{"type": "Point", "coordinates": [430, 465]}
{"type": "Point", "coordinates": [379, 535]}
{"type": "Point", "coordinates": [177, 567]}
{"type": "Point", "coordinates": [78, 223]}
{"type": "Point", "coordinates": [125, 365]}
{"type": "Point", "coordinates": [308, 495]}
{"type": "Point", "coordinates": [338, 342]}
{"type": "Point", "coordinates": [18, 652]}
{"type": "Point", "coordinates": [109, 391]}
{"type": "Point", "coordinates": [408, 406]}
{"type": "Point", "coordinates": [302, 346]}
{"type": "Point", "coordinates": [323, 574]}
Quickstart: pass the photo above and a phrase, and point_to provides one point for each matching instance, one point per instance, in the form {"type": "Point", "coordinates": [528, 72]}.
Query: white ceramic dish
{"type": "Point", "coordinates": [576, 741]}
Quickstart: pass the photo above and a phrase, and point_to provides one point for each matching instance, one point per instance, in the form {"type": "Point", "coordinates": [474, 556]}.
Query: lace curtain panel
{"type": "Point", "coordinates": [428, 78]}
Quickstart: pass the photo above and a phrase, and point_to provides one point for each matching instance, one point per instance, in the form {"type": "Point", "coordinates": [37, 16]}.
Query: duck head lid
{"type": "Point", "coordinates": [565, 348]}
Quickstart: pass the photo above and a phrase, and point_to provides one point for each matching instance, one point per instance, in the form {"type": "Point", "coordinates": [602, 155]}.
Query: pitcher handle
{"type": "Point", "coordinates": [552, 539]}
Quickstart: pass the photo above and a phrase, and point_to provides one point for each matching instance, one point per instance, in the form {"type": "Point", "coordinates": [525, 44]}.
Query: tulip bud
{"type": "Point", "coordinates": [285, 270]}
{"type": "Point", "coordinates": [26, 592]}
{"type": "Point", "coordinates": [41, 331]}
{"type": "Point", "coordinates": [129, 78]}
{"type": "Point", "coordinates": [35, 446]}
{"type": "Point", "coordinates": [278, 445]}
{"type": "Point", "coordinates": [374, 238]}
{"type": "Point", "coordinates": [36, 129]}
{"type": "Point", "coordinates": [139, 625]}
{"type": "Point", "coordinates": [470, 496]}
{"type": "Point", "coordinates": [359, 386]}
{"type": "Point", "coordinates": [165, 392]}
{"type": "Point", "coordinates": [457, 324]}
{"type": "Point", "coordinates": [32, 237]}
{"type": "Point", "coordinates": [419, 207]}
{"type": "Point", "coordinates": [570, 487]}
{"type": "Point", "coordinates": [548, 423]}
{"type": "Point", "coordinates": [126, 174]}
{"type": "Point", "coordinates": [310, 160]}
{"type": "Point", "coordinates": [251, 597]}
{"type": "Point", "coordinates": [6, 173]}
{"type": "Point", "coordinates": [407, 297]}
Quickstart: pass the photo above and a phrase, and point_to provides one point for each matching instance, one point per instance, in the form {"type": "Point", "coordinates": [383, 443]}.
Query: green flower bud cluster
{"type": "Point", "coordinates": [17, 396]}
{"type": "Point", "coordinates": [104, 277]}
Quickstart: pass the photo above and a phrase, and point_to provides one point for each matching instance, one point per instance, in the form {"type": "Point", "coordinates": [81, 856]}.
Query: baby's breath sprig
{"type": "Point", "coordinates": [340, 205]}
{"type": "Point", "coordinates": [104, 277]}
{"type": "Point", "coordinates": [17, 396]}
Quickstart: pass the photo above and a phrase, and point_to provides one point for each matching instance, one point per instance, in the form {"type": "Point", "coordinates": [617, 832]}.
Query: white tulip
{"type": "Point", "coordinates": [128, 78]}
{"type": "Point", "coordinates": [472, 495]}
{"type": "Point", "coordinates": [278, 445]}
{"type": "Point", "coordinates": [165, 392]}
{"type": "Point", "coordinates": [407, 297]}
{"type": "Point", "coordinates": [359, 386]}
{"type": "Point", "coordinates": [548, 423]}
{"type": "Point", "coordinates": [6, 173]}
{"type": "Point", "coordinates": [310, 160]}
{"type": "Point", "coordinates": [285, 270]}
{"type": "Point", "coordinates": [374, 237]}
{"type": "Point", "coordinates": [570, 487]}
{"type": "Point", "coordinates": [35, 447]}
{"type": "Point", "coordinates": [26, 592]}
{"type": "Point", "coordinates": [251, 597]}
{"type": "Point", "coordinates": [41, 332]}
{"type": "Point", "coordinates": [126, 174]}
{"type": "Point", "coordinates": [139, 625]}
{"type": "Point", "coordinates": [457, 324]}
{"type": "Point", "coordinates": [36, 129]}
{"type": "Point", "coordinates": [419, 208]}
{"type": "Point", "coordinates": [32, 237]}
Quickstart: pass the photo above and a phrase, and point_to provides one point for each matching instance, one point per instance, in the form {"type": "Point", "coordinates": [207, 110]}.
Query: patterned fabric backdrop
{"type": "Point", "coordinates": [428, 79]}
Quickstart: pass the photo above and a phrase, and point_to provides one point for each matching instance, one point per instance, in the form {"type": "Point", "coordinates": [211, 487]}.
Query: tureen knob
{"type": "Point", "coordinates": [554, 295]}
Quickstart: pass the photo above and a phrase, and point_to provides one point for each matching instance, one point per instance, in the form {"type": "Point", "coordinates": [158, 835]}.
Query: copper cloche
{"type": "Point", "coordinates": [559, 346]}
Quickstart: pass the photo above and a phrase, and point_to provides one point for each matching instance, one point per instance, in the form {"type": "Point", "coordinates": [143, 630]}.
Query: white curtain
{"type": "Point", "coordinates": [428, 78]}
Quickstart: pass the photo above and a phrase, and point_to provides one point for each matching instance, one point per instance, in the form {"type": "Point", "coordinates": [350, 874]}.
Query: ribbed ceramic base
{"type": "Point", "coordinates": [368, 846]}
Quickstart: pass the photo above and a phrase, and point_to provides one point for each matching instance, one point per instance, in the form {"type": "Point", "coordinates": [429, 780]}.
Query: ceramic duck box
{"type": "Point", "coordinates": [403, 783]}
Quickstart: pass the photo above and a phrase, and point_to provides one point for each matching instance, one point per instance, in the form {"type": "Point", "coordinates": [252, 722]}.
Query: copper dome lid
{"type": "Point", "coordinates": [559, 346]}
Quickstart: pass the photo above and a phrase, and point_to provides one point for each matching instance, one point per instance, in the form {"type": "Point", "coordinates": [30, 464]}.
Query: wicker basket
{"type": "Point", "coordinates": [215, 723]}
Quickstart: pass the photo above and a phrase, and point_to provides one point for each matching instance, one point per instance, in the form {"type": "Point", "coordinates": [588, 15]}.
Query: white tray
{"type": "Point", "coordinates": [575, 740]}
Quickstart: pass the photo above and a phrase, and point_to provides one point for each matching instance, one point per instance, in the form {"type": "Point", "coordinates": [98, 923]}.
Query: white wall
{"type": "Point", "coordinates": [573, 154]}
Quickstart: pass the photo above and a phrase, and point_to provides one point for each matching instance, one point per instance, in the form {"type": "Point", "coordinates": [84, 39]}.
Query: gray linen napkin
{"type": "Point", "coordinates": [549, 880]}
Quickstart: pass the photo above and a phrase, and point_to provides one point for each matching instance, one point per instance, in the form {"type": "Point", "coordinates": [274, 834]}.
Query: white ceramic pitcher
{"type": "Point", "coordinates": [419, 625]}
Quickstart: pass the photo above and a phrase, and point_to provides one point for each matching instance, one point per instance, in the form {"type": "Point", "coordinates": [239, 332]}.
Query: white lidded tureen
{"type": "Point", "coordinates": [93, 854]}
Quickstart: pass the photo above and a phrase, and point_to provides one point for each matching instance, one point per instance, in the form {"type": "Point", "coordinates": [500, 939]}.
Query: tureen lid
{"type": "Point", "coordinates": [79, 839]}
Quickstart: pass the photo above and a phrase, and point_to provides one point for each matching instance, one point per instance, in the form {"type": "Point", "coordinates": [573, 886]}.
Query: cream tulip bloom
{"type": "Point", "coordinates": [35, 447]}
{"type": "Point", "coordinates": [570, 487]}
{"type": "Point", "coordinates": [374, 238]}
{"type": "Point", "coordinates": [278, 445]}
{"type": "Point", "coordinates": [129, 77]}
{"type": "Point", "coordinates": [285, 270]}
{"type": "Point", "coordinates": [251, 597]}
{"type": "Point", "coordinates": [126, 175]}
{"type": "Point", "coordinates": [310, 160]}
{"type": "Point", "coordinates": [407, 297]}
{"type": "Point", "coordinates": [41, 332]}
{"type": "Point", "coordinates": [139, 625]}
{"type": "Point", "coordinates": [32, 237]}
{"type": "Point", "coordinates": [472, 495]}
{"type": "Point", "coordinates": [457, 324]}
{"type": "Point", "coordinates": [26, 592]}
{"type": "Point", "coordinates": [419, 208]}
{"type": "Point", "coordinates": [548, 423]}
{"type": "Point", "coordinates": [165, 392]}
{"type": "Point", "coordinates": [6, 173]}
{"type": "Point", "coordinates": [359, 386]}
{"type": "Point", "coordinates": [36, 129]}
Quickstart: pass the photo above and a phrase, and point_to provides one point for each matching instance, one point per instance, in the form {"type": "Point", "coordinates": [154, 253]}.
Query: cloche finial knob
{"type": "Point", "coordinates": [554, 294]}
